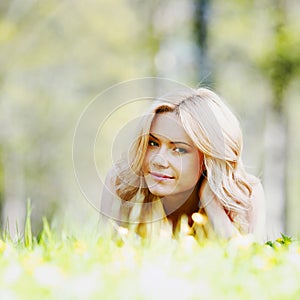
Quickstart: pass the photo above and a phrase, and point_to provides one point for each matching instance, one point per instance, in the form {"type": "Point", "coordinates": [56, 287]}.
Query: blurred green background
{"type": "Point", "coordinates": [57, 55]}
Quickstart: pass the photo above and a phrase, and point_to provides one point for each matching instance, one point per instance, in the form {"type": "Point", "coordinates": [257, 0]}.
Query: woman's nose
{"type": "Point", "coordinates": [159, 160]}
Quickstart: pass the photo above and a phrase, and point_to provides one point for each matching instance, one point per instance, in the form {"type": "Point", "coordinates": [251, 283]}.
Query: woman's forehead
{"type": "Point", "coordinates": [168, 125]}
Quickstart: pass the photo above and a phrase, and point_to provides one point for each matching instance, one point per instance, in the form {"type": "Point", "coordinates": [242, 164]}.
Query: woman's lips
{"type": "Point", "coordinates": [160, 176]}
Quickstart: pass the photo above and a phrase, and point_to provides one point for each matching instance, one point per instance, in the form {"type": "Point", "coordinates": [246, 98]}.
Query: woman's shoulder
{"type": "Point", "coordinates": [110, 178]}
{"type": "Point", "coordinates": [109, 204]}
{"type": "Point", "coordinates": [257, 215]}
{"type": "Point", "coordinates": [256, 185]}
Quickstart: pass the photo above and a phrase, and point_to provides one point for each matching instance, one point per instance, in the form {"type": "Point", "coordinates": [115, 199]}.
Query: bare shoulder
{"type": "Point", "coordinates": [257, 188]}
{"type": "Point", "coordinates": [110, 179]}
{"type": "Point", "coordinates": [108, 197]}
{"type": "Point", "coordinates": [257, 217]}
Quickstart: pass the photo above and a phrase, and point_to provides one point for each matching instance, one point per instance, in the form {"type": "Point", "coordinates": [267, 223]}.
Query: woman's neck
{"type": "Point", "coordinates": [186, 204]}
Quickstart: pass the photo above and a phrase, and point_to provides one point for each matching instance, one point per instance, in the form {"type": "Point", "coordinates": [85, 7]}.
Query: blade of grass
{"type": "Point", "coordinates": [28, 231]}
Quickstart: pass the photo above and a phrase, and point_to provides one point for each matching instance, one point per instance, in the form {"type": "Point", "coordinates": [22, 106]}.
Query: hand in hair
{"type": "Point", "coordinates": [220, 221]}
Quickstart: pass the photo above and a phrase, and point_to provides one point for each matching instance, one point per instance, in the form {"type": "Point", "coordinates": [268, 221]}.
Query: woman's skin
{"type": "Point", "coordinates": [172, 165]}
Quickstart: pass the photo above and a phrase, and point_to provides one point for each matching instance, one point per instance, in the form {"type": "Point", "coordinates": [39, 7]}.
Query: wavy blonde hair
{"type": "Point", "coordinates": [216, 132]}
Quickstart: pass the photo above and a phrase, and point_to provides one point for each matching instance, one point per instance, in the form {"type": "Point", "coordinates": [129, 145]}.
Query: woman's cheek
{"type": "Point", "coordinates": [146, 161]}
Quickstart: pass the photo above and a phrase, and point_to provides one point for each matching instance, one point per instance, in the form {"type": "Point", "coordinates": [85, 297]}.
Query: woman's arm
{"type": "Point", "coordinates": [220, 221]}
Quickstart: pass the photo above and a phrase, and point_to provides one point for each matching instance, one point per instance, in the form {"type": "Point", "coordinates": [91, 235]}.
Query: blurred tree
{"type": "Point", "coordinates": [55, 57]}
{"type": "Point", "coordinates": [253, 48]}
{"type": "Point", "coordinates": [279, 65]}
{"type": "Point", "coordinates": [201, 18]}
{"type": "Point", "coordinates": [150, 43]}
{"type": "Point", "coordinates": [167, 38]}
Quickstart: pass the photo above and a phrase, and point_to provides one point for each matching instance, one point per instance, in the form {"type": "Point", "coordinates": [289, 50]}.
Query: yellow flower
{"type": "Point", "coordinates": [199, 219]}
{"type": "Point", "coordinates": [31, 262]}
{"type": "Point", "coordinates": [2, 246]}
{"type": "Point", "coordinates": [80, 247]}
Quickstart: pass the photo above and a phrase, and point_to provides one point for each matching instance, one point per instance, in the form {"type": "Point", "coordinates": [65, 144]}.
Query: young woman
{"type": "Point", "coordinates": [186, 159]}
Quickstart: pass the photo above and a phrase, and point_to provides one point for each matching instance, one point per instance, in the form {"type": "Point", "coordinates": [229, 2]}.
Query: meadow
{"type": "Point", "coordinates": [58, 265]}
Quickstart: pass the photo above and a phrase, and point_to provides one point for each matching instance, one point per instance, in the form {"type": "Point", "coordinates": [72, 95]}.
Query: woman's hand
{"type": "Point", "coordinates": [221, 223]}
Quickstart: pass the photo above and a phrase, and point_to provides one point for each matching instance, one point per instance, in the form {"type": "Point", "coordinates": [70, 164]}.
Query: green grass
{"type": "Point", "coordinates": [93, 266]}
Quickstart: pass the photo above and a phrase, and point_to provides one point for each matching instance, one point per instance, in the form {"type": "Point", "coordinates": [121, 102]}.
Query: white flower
{"type": "Point", "coordinates": [12, 273]}
{"type": "Point", "coordinates": [48, 275]}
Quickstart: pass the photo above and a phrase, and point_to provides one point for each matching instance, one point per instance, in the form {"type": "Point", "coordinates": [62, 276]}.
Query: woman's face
{"type": "Point", "coordinates": [172, 164]}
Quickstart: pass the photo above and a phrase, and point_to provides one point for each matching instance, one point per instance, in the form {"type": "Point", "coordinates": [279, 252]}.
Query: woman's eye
{"type": "Point", "coordinates": [180, 150]}
{"type": "Point", "coordinates": [153, 143]}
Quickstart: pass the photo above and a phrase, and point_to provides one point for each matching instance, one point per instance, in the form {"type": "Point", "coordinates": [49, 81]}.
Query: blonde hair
{"type": "Point", "coordinates": [216, 132]}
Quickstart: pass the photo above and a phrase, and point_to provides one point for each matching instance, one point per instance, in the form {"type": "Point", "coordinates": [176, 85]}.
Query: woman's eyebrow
{"type": "Point", "coordinates": [184, 143]}
{"type": "Point", "coordinates": [150, 134]}
{"type": "Point", "coordinates": [173, 143]}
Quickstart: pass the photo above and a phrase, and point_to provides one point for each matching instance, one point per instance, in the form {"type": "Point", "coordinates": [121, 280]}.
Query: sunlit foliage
{"type": "Point", "coordinates": [119, 265]}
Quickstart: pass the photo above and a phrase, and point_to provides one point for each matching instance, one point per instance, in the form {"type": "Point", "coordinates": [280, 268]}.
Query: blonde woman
{"type": "Point", "coordinates": [186, 159]}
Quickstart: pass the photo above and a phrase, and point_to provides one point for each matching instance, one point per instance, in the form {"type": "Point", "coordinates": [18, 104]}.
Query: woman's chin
{"type": "Point", "coordinates": [158, 192]}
